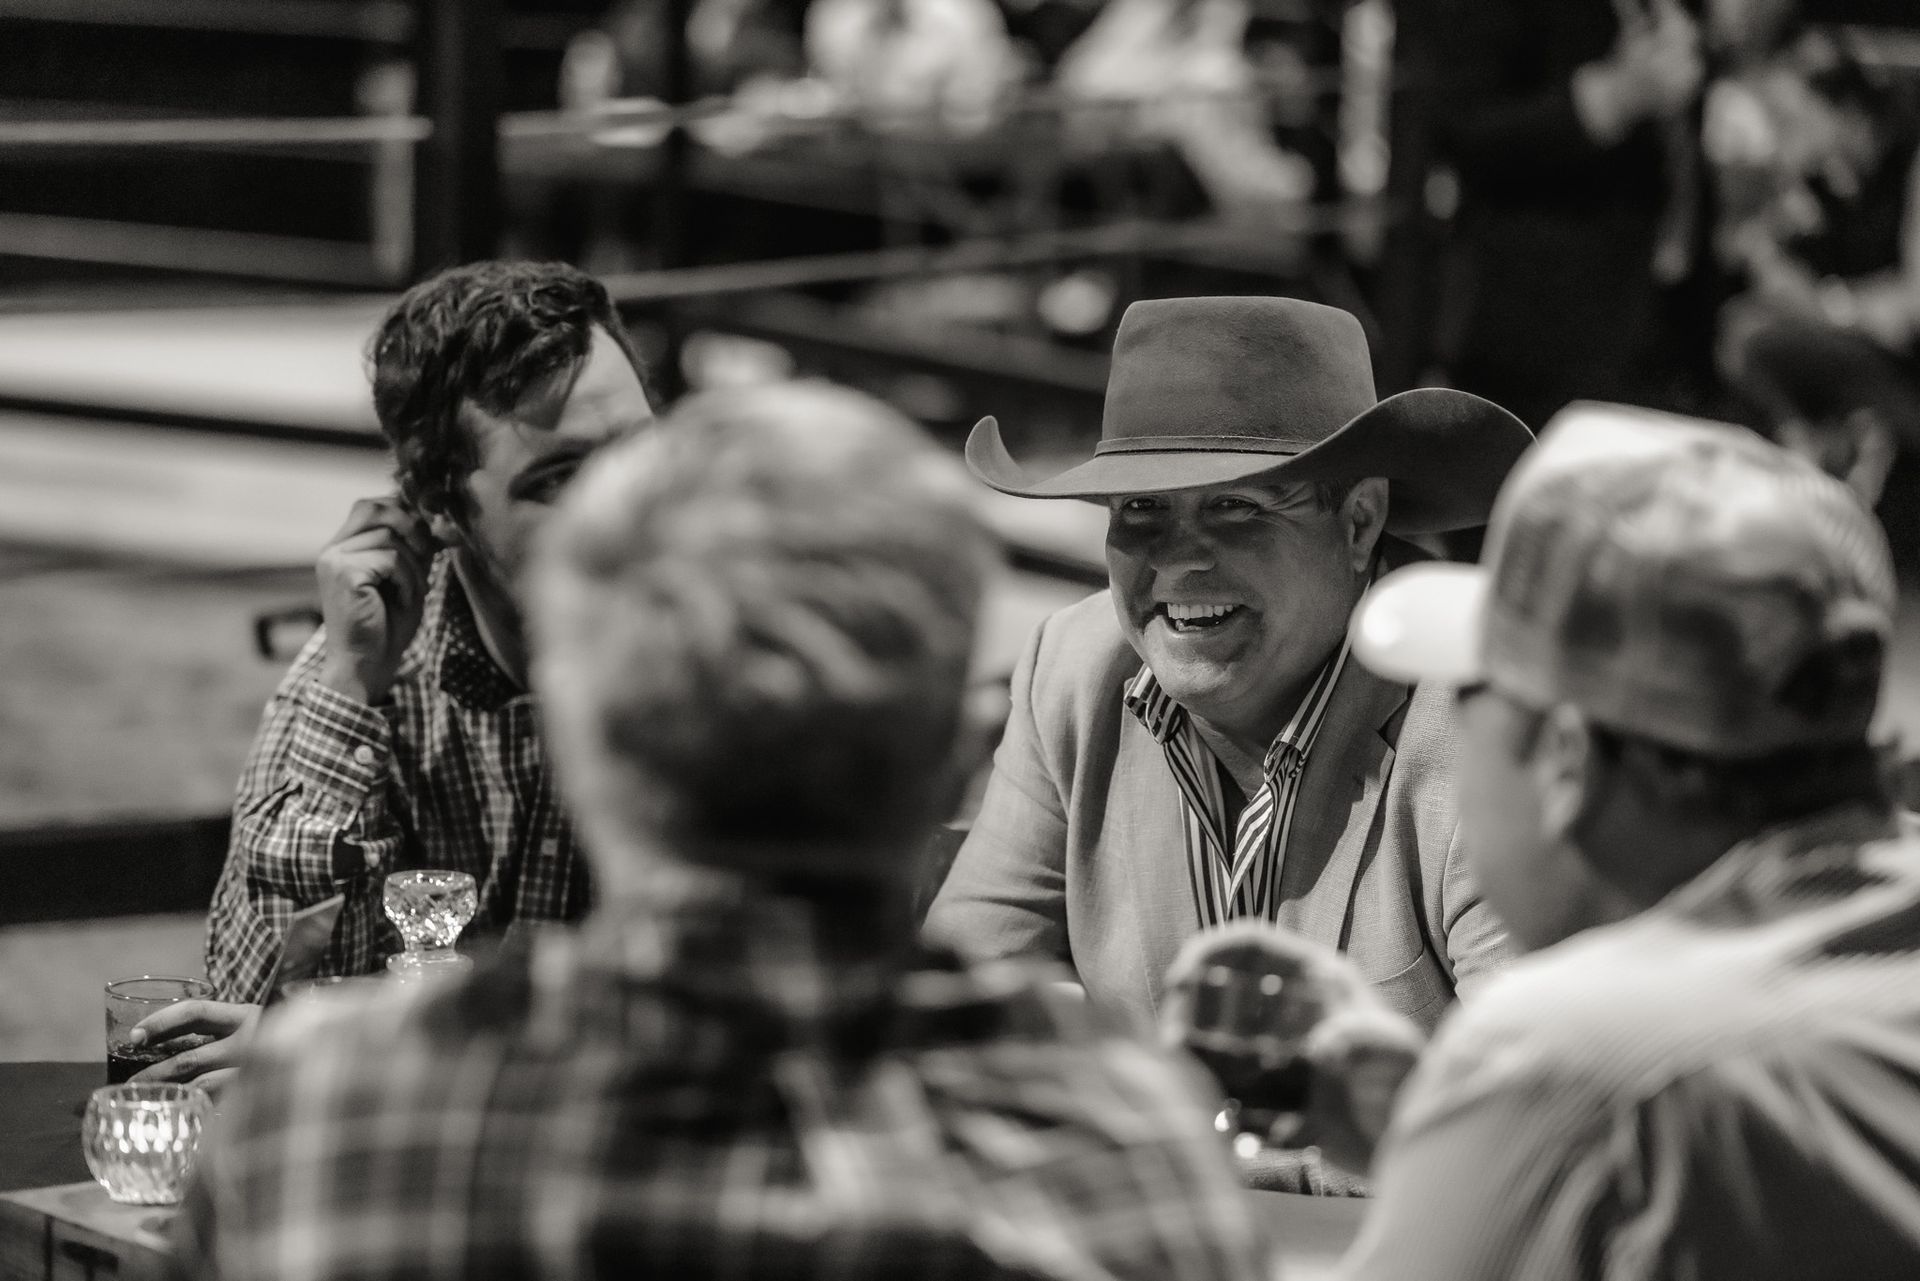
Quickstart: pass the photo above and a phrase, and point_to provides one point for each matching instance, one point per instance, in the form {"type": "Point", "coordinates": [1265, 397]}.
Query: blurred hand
{"type": "Point", "coordinates": [1306, 1009]}
{"type": "Point", "coordinates": [373, 588]}
{"type": "Point", "coordinates": [1653, 73]}
{"type": "Point", "coordinates": [210, 1065]}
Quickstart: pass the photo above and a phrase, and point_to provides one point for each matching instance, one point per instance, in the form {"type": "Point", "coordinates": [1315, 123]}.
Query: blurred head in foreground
{"type": "Point", "coordinates": [1674, 642]}
{"type": "Point", "coordinates": [752, 631]}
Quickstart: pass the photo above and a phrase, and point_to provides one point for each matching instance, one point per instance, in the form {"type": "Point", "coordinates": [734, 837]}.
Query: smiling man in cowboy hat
{"type": "Point", "coordinates": [1193, 746]}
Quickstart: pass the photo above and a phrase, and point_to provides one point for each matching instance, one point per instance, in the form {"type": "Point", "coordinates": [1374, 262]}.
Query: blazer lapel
{"type": "Point", "coordinates": [1147, 818]}
{"type": "Point", "coordinates": [1338, 811]}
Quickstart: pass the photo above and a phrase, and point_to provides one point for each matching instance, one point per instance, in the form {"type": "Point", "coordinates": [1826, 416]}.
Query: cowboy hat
{"type": "Point", "coordinates": [1209, 391]}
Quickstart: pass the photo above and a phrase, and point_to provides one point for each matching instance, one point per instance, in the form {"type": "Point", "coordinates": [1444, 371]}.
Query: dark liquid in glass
{"type": "Point", "coordinates": [124, 1060]}
{"type": "Point", "coordinates": [1280, 1088]}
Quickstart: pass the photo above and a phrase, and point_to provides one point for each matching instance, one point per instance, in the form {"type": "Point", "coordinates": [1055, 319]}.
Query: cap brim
{"type": "Point", "coordinates": [1424, 623]}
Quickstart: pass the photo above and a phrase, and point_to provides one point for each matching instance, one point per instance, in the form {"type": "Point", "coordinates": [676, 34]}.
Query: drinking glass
{"type": "Point", "coordinates": [429, 908]}
{"type": "Point", "coordinates": [139, 1140]}
{"type": "Point", "coordinates": [1249, 1027]}
{"type": "Point", "coordinates": [129, 1001]}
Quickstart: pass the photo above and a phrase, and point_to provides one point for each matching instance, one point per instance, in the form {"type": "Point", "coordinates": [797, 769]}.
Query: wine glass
{"type": "Point", "coordinates": [429, 908]}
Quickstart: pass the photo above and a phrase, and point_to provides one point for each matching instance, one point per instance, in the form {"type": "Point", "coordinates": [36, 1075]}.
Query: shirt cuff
{"type": "Point", "coordinates": [340, 747]}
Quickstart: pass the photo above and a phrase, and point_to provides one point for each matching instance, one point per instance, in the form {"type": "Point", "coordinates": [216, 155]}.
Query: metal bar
{"type": "Point", "coordinates": [623, 113]}
{"type": "Point", "coordinates": [258, 131]}
{"type": "Point", "coordinates": [1409, 282]}
{"type": "Point", "coordinates": [457, 197]}
{"type": "Point", "coordinates": [377, 21]}
{"type": "Point", "coordinates": [226, 253]}
{"type": "Point", "coordinates": [125, 868]}
{"type": "Point", "coordinates": [1119, 239]}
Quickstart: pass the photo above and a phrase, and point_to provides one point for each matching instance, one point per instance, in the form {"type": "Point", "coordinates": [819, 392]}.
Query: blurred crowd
{"type": "Point", "coordinates": [1690, 208]}
{"type": "Point", "coordinates": [1703, 205]}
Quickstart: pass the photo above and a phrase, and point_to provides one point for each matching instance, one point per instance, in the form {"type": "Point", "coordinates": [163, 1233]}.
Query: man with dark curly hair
{"type": "Point", "coordinates": [404, 735]}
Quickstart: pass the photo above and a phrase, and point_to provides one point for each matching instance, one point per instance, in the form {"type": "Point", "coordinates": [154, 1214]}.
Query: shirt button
{"type": "Point", "coordinates": [363, 754]}
{"type": "Point", "coordinates": [373, 859]}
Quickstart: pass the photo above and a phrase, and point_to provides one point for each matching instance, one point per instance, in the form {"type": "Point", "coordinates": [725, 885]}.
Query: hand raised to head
{"type": "Point", "coordinates": [373, 586]}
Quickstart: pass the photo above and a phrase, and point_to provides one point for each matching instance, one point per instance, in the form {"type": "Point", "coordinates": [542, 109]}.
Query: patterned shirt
{"type": "Point", "coordinates": [1726, 1086]}
{"type": "Point", "coordinates": [449, 772]}
{"type": "Point", "coordinates": [1241, 878]}
{"type": "Point", "coordinates": [714, 1088]}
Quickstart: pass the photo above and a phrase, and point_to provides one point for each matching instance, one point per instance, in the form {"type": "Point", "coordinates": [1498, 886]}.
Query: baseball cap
{"type": "Point", "coordinates": [1678, 579]}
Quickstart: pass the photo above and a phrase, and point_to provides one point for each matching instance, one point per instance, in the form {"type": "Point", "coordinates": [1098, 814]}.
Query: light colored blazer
{"type": "Point", "coordinates": [1078, 851]}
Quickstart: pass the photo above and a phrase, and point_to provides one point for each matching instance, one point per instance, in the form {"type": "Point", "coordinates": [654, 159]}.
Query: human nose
{"type": "Point", "coordinates": [1181, 549]}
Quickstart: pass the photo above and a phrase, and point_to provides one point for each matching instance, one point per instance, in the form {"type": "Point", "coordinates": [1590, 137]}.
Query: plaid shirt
{"type": "Point", "coordinates": [706, 1090]}
{"type": "Point", "coordinates": [448, 773]}
{"type": "Point", "coordinates": [1725, 1086]}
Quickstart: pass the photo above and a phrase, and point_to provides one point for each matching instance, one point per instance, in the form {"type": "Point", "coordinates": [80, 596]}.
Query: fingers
{"type": "Point", "coordinates": [392, 514]}
{"type": "Point", "coordinates": [190, 1065]}
{"type": "Point", "coordinates": [217, 1080]}
{"type": "Point", "coordinates": [374, 560]}
{"type": "Point", "coordinates": [184, 1018]}
{"type": "Point", "coordinates": [1361, 1056]}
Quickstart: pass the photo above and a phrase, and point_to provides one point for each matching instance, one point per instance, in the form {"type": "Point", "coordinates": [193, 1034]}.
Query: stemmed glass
{"type": "Point", "coordinates": [429, 908]}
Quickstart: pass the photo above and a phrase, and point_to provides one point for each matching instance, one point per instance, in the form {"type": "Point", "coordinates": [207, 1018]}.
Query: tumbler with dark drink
{"type": "Point", "coordinates": [131, 1000]}
{"type": "Point", "coordinates": [1248, 1026]}
{"type": "Point", "coordinates": [125, 1060]}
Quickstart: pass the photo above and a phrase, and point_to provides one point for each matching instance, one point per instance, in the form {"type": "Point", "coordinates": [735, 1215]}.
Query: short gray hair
{"type": "Point", "coordinates": [753, 625]}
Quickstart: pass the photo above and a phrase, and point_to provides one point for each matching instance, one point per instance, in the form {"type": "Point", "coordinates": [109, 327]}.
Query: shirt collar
{"type": "Point", "coordinates": [1163, 718]}
{"type": "Point", "coordinates": [726, 941]}
{"type": "Point", "coordinates": [466, 671]}
{"type": "Point", "coordinates": [1838, 851]}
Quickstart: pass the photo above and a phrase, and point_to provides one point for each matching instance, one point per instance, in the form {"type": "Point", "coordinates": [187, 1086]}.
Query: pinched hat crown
{"type": "Point", "coordinates": [1252, 375]}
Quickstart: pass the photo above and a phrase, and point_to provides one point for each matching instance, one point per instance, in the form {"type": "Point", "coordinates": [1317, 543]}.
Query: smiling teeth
{"type": "Point", "coordinates": [1188, 613]}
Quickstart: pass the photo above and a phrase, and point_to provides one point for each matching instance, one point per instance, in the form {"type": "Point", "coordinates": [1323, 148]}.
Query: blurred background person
{"type": "Point", "coordinates": [1817, 156]}
{"type": "Point", "coordinates": [1180, 71]}
{"type": "Point", "coordinates": [754, 627]}
{"type": "Point", "coordinates": [1570, 128]}
{"type": "Point", "coordinates": [731, 43]}
{"type": "Point", "coordinates": [916, 65]}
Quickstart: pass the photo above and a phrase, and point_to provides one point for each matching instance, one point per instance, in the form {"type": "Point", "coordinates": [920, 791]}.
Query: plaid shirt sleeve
{"type": "Point", "coordinates": [1140, 1187]}
{"type": "Point", "coordinates": [310, 818]}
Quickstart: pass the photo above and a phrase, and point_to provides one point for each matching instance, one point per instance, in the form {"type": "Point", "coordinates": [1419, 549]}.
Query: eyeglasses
{"type": "Point", "coordinates": [1467, 693]}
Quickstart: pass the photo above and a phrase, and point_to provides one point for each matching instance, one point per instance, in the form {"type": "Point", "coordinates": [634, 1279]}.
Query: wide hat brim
{"type": "Point", "coordinates": [1444, 454]}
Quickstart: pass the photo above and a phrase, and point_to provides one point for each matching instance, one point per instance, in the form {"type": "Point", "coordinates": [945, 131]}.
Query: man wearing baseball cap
{"type": "Point", "coordinates": [1710, 1067]}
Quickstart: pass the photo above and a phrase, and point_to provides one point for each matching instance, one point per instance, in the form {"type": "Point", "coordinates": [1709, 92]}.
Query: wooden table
{"type": "Point", "coordinates": [1313, 1231]}
{"type": "Point", "coordinates": [75, 1233]}
{"type": "Point", "coordinates": [72, 1231]}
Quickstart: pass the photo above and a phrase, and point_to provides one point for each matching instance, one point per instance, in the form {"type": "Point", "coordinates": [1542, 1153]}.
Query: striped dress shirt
{"type": "Point", "coordinates": [1241, 877]}
{"type": "Point", "coordinates": [1723, 1088]}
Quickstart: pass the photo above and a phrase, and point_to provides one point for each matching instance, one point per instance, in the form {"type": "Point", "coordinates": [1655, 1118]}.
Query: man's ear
{"type": "Point", "coordinates": [1364, 516]}
{"type": "Point", "coordinates": [1563, 767]}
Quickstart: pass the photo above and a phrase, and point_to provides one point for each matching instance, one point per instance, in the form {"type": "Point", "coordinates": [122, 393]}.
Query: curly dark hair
{"type": "Point", "coordinates": [487, 334]}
